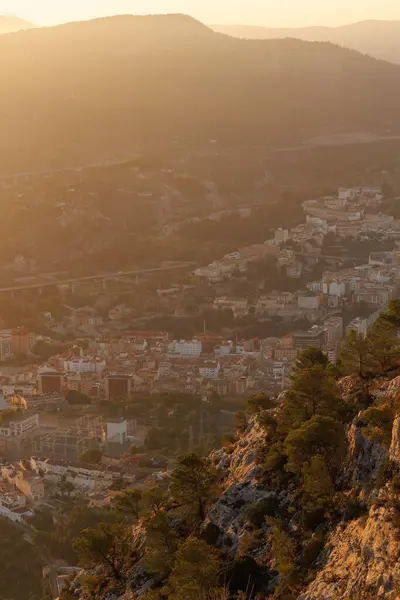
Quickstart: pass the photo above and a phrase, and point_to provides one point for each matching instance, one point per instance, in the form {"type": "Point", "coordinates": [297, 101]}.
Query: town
{"type": "Point", "coordinates": [86, 418]}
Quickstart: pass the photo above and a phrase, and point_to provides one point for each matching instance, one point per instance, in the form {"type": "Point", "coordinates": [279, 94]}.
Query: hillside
{"type": "Point", "coordinates": [104, 89]}
{"type": "Point", "coordinates": [10, 24]}
{"type": "Point", "coordinates": [380, 39]}
{"type": "Point", "coordinates": [300, 504]}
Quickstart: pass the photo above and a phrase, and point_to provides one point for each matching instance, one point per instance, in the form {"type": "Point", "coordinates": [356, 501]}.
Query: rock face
{"type": "Point", "coordinates": [360, 558]}
{"type": "Point", "coordinates": [394, 452]}
{"type": "Point", "coordinates": [364, 457]}
{"type": "Point", "coordinates": [240, 487]}
{"type": "Point", "coordinates": [363, 563]}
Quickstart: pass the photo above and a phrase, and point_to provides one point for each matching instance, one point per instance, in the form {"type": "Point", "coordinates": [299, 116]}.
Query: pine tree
{"type": "Point", "coordinates": [196, 570]}
{"type": "Point", "coordinates": [357, 356]}
{"type": "Point", "coordinates": [129, 503]}
{"type": "Point", "coordinates": [318, 489]}
{"type": "Point", "coordinates": [385, 344]}
{"type": "Point", "coordinates": [310, 357]}
{"type": "Point", "coordinates": [313, 392]}
{"type": "Point", "coordinates": [153, 500]}
{"type": "Point", "coordinates": [193, 485]}
{"type": "Point", "coordinates": [107, 545]}
{"type": "Point", "coordinates": [161, 543]}
{"type": "Point", "coordinates": [320, 436]}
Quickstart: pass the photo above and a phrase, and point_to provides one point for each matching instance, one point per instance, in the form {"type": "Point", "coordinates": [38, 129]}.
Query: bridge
{"type": "Point", "coordinates": [311, 255]}
{"type": "Point", "coordinates": [98, 277]}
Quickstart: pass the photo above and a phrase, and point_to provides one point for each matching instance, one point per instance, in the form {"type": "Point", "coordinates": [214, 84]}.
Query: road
{"type": "Point", "coordinates": [98, 277]}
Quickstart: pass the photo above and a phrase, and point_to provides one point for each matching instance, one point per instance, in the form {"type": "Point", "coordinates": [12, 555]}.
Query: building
{"type": "Point", "coordinates": [116, 431]}
{"type": "Point", "coordinates": [17, 433]}
{"type": "Point", "coordinates": [85, 365]}
{"type": "Point", "coordinates": [380, 259]}
{"type": "Point", "coordinates": [51, 382]}
{"type": "Point", "coordinates": [19, 426]}
{"type": "Point", "coordinates": [22, 341]}
{"type": "Point", "coordinates": [149, 336]}
{"type": "Point", "coordinates": [285, 353]}
{"type": "Point", "coordinates": [314, 337]}
{"type": "Point", "coordinates": [309, 301]}
{"type": "Point", "coordinates": [5, 347]}
{"type": "Point", "coordinates": [239, 306]}
{"type": "Point", "coordinates": [334, 329]}
{"type": "Point", "coordinates": [30, 485]}
{"type": "Point", "coordinates": [281, 235]}
{"type": "Point", "coordinates": [374, 293]}
{"type": "Point", "coordinates": [185, 348]}
{"type": "Point", "coordinates": [210, 369]}
{"type": "Point", "coordinates": [118, 386]}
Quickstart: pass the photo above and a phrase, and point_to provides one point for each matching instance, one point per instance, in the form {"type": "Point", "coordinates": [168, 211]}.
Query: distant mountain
{"type": "Point", "coordinates": [10, 24]}
{"type": "Point", "coordinates": [380, 39]}
{"type": "Point", "coordinates": [81, 92]}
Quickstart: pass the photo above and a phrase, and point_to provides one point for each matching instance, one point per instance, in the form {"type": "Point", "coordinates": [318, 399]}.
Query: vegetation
{"type": "Point", "coordinates": [91, 457]}
{"type": "Point", "coordinates": [20, 574]}
{"type": "Point", "coordinates": [301, 458]}
{"type": "Point", "coordinates": [193, 486]}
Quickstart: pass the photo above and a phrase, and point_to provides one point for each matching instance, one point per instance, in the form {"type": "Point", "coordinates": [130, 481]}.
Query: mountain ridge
{"type": "Point", "coordinates": [12, 23]}
{"type": "Point", "coordinates": [380, 39]}
{"type": "Point", "coordinates": [83, 91]}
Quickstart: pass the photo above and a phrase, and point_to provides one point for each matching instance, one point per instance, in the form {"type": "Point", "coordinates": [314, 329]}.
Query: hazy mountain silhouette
{"type": "Point", "coordinates": [380, 39]}
{"type": "Point", "coordinates": [86, 90]}
{"type": "Point", "coordinates": [11, 23]}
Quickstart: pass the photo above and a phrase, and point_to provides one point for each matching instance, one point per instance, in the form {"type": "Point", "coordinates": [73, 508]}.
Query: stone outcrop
{"type": "Point", "coordinates": [240, 487]}
{"type": "Point", "coordinates": [363, 562]}
{"type": "Point", "coordinates": [360, 558]}
{"type": "Point", "coordinates": [364, 457]}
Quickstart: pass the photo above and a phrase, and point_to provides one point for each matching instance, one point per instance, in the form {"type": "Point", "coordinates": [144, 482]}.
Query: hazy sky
{"type": "Point", "coordinates": [263, 12]}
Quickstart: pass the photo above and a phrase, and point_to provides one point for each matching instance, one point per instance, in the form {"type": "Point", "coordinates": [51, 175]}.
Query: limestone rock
{"type": "Point", "coordinates": [363, 562]}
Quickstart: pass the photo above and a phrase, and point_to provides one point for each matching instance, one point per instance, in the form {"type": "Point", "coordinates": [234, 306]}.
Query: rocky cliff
{"type": "Point", "coordinates": [357, 556]}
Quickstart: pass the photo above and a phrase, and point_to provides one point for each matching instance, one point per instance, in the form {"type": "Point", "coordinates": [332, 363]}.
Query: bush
{"type": "Point", "coordinates": [245, 574]}
{"type": "Point", "coordinates": [312, 518]}
{"type": "Point", "coordinates": [274, 460]}
{"type": "Point", "coordinates": [258, 403]}
{"type": "Point", "coordinates": [211, 534]}
{"type": "Point", "coordinates": [385, 473]}
{"type": "Point", "coordinates": [379, 423]}
{"type": "Point", "coordinates": [354, 510]}
{"type": "Point", "coordinates": [311, 551]}
{"type": "Point", "coordinates": [256, 513]}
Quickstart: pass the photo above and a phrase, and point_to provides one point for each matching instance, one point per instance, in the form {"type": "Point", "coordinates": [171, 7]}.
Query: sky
{"type": "Point", "coordinates": [273, 13]}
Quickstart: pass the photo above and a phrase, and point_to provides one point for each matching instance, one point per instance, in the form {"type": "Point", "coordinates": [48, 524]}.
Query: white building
{"type": "Point", "coordinates": [84, 365]}
{"type": "Point", "coordinates": [20, 427]}
{"type": "Point", "coordinates": [116, 431]}
{"type": "Point", "coordinates": [210, 370]}
{"type": "Point", "coordinates": [281, 235]}
{"type": "Point", "coordinates": [347, 193]}
{"type": "Point", "coordinates": [185, 348]}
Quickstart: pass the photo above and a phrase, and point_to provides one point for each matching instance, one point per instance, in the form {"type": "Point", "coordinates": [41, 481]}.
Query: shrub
{"type": "Point", "coordinates": [311, 551]}
{"type": "Point", "coordinates": [379, 423]}
{"type": "Point", "coordinates": [354, 509]}
{"type": "Point", "coordinates": [385, 473]}
{"type": "Point", "coordinates": [256, 513]}
{"type": "Point", "coordinates": [274, 460]}
{"type": "Point", "coordinates": [211, 534]}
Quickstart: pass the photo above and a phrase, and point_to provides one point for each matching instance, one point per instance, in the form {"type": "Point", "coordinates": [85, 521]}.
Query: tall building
{"type": "Point", "coordinates": [314, 337]}
{"type": "Point", "coordinates": [118, 386]}
{"type": "Point", "coordinates": [334, 328]}
{"type": "Point", "coordinates": [5, 347]}
{"type": "Point", "coordinates": [22, 341]}
{"type": "Point", "coordinates": [51, 382]}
